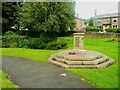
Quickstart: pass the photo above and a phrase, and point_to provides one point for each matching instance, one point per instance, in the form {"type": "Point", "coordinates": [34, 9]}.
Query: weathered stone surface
{"type": "Point", "coordinates": [68, 62]}
{"type": "Point", "coordinates": [105, 64]}
{"type": "Point", "coordinates": [88, 63]}
{"type": "Point", "coordinates": [100, 60]}
{"type": "Point", "coordinates": [80, 59]}
{"type": "Point", "coordinates": [79, 41]}
{"type": "Point", "coordinates": [59, 64]}
{"type": "Point", "coordinates": [83, 66]}
{"type": "Point", "coordinates": [80, 55]}
{"type": "Point", "coordinates": [74, 62]}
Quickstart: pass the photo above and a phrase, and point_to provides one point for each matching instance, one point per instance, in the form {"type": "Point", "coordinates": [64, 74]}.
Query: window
{"type": "Point", "coordinates": [115, 20]}
{"type": "Point", "coordinates": [98, 20]}
{"type": "Point", "coordinates": [107, 20]}
{"type": "Point", "coordinates": [115, 26]}
{"type": "Point", "coordinates": [99, 27]}
{"type": "Point", "coordinates": [105, 25]}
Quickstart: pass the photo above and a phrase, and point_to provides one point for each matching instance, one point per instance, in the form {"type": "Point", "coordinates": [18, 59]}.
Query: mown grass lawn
{"type": "Point", "coordinates": [103, 78]}
{"type": "Point", "coordinates": [6, 83]}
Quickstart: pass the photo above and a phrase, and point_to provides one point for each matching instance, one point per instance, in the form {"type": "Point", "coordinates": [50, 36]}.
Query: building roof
{"type": "Point", "coordinates": [107, 15]}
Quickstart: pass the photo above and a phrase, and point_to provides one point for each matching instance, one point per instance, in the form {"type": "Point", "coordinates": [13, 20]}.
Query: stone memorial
{"type": "Point", "coordinates": [79, 57]}
{"type": "Point", "coordinates": [79, 41]}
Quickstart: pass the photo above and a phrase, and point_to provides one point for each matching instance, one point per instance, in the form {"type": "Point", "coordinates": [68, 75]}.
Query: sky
{"type": "Point", "coordinates": [86, 8]}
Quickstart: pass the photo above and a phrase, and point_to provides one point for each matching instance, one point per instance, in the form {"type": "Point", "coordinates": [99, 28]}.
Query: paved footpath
{"type": "Point", "coordinates": [33, 74]}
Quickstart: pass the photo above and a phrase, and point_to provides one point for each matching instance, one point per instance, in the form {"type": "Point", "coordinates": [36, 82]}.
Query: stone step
{"type": "Point", "coordinates": [96, 61]}
{"type": "Point", "coordinates": [71, 66]}
{"type": "Point", "coordinates": [60, 60]}
{"type": "Point", "coordinates": [59, 63]}
{"type": "Point", "coordinates": [83, 66]}
{"type": "Point", "coordinates": [68, 62]}
{"type": "Point", "coordinates": [53, 56]}
{"type": "Point", "coordinates": [102, 65]}
{"type": "Point", "coordinates": [101, 60]}
{"type": "Point", "coordinates": [105, 64]}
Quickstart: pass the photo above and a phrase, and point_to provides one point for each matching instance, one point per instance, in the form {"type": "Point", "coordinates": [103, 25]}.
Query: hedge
{"type": "Point", "coordinates": [115, 30]}
{"type": "Point", "coordinates": [12, 40]}
{"type": "Point", "coordinates": [57, 44]}
{"type": "Point", "coordinates": [93, 29]}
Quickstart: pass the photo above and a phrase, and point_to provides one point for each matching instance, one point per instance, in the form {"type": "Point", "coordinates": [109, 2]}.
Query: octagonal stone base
{"type": "Point", "coordinates": [80, 59]}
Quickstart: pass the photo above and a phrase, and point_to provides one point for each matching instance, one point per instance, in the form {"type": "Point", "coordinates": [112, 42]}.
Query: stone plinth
{"type": "Point", "coordinates": [80, 59]}
{"type": "Point", "coordinates": [78, 41]}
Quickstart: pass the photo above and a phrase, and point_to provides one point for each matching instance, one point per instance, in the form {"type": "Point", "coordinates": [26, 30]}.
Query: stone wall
{"type": "Point", "coordinates": [101, 35]}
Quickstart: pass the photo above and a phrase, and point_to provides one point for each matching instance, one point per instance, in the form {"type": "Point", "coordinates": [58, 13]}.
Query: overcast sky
{"type": "Point", "coordinates": [86, 9]}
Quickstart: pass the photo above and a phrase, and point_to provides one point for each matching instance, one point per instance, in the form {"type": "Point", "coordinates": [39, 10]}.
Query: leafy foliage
{"type": "Point", "coordinates": [10, 33]}
{"type": "Point", "coordinates": [86, 21]}
{"type": "Point", "coordinates": [48, 37]}
{"type": "Point", "coordinates": [9, 15]}
{"type": "Point", "coordinates": [48, 17]}
{"type": "Point", "coordinates": [36, 43]}
{"type": "Point", "coordinates": [115, 30]}
{"type": "Point", "coordinates": [91, 22]}
{"type": "Point", "coordinates": [28, 33]}
{"type": "Point", "coordinates": [92, 29]}
{"type": "Point", "coordinates": [95, 76]}
{"type": "Point", "coordinates": [12, 40]}
{"type": "Point", "coordinates": [24, 43]}
{"type": "Point", "coordinates": [58, 44]}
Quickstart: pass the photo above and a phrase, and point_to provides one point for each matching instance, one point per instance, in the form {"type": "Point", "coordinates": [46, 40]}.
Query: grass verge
{"type": "Point", "coordinates": [103, 78]}
{"type": "Point", "coordinates": [6, 83]}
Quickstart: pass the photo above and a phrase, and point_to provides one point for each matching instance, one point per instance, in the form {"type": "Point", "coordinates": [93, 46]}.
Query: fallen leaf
{"type": "Point", "coordinates": [64, 74]}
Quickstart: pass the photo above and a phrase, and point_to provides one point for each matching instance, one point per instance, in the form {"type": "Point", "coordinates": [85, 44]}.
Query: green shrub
{"type": "Point", "coordinates": [24, 43]}
{"type": "Point", "coordinates": [114, 30]}
{"type": "Point", "coordinates": [0, 44]}
{"type": "Point", "coordinates": [92, 29]}
{"type": "Point", "coordinates": [9, 44]}
{"type": "Point", "coordinates": [22, 32]}
{"type": "Point", "coordinates": [28, 33]}
{"type": "Point", "coordinates": [36, 43]}
{"type": "Point", "coordinates": [17, 41]}
{"type": "Point", "coordinates": [47, 37]}
{"type": "Point", "coordinates": [10, 41]}
{"type": "Point", "coordinates": [0, 37]}
{"type": "Point", "coordinates": [0, 41]}
{"type": "Point", "coordinates": [10, 33]}
{"type": "Point", "coordinates": [57, 44]}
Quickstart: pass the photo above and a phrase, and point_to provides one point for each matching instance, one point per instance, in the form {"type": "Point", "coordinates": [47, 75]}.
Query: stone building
{"type": "Point", "coordinates": [107, 21]}
{"type": "Point", "coordinates": [79, 24]}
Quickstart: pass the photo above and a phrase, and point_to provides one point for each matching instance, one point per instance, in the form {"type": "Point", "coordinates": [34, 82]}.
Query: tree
{"type": "Point", "coordinates": [86, 21]}
{"type": "Point", "coordinates": [9, 15]}
{"type": "Point", "coordinates": [91, 22]}
{"type": "Point", "coordinates": [48, 16]}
